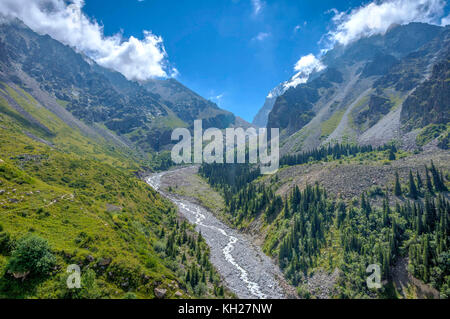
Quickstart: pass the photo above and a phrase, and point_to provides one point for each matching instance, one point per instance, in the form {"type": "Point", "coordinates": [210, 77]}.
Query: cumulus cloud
{"type": "Point", "coordinates": [370, 19]}
{"type": "Point", "coordinates": [376, 17]}
{"type": "Point", "coordinates": [445, 21]}
{"type": "Point", "coordinates": [304, 67]}
{"type": "Point", "coordinates": [136, 59]}
{"type": "Point", "coordinates": [217, 99]}
{"type": "Point", "coordinates": [258, 5]}
{"type": "Point", "coordinates": [261, 36]}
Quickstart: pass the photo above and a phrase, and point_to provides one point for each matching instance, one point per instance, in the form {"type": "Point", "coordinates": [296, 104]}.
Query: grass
{"type": "Point", "coordinates": [396, 100]}
{"type": "Point", "coordinates": [62, 194]}
{"type": "Point", "coordinates": [196, 187]}
{"type": "Point", "coordinates": [332, 123]}
{"type": "Point", "coordinates": [362, 102]}
{"type": "Point", "coordinates": [66, 138]}
{"type": "Point", "coordinates": [431, 132]}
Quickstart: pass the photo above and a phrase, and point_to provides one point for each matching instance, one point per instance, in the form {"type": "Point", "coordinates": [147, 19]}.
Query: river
{"type": "Point", "coordinates": [246, 270]}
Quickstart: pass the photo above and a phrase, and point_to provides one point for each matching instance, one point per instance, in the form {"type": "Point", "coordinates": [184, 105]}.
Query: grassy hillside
{"type": "Point", "coordinates": [81, 195]}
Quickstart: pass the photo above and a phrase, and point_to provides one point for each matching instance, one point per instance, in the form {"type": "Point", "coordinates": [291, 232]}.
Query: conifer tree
{"type": "Point", "coordinates": [412, 186]}
{"type": "Point", "coordinates": [428, 181]}
{"type": "Point", "coordinates": [419, 181]}
{"type": "Point", "coordinates": [286, 208]}
{"type": "Point", "coordinates": [391, 155]}
{"type": "Point", "coordinates": [438, 181]}
{"type": "Point", "coordinates": [397, 187]}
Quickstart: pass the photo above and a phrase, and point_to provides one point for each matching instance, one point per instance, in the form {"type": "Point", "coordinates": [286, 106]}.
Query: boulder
{"type": "Point", "coordinates": [21, 275]}
{"type": "Point", "coordinates": [178, 294]}
{"type": "Point", "coordinates": [160, 293]}
{"type": "Point", "coordinates": [104, 262]}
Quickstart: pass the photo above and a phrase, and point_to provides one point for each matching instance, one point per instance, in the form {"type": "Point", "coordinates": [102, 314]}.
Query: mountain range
{"type": "Point", "coordinates": [76, 140]}
{"type": "Point", "coordinates": [373, 91]}
{"type": "Point", "coordinates": [99, 100]}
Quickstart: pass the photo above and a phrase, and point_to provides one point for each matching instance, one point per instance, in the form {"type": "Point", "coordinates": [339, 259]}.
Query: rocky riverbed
{"type": "Point", "coordinates": [246, 270]}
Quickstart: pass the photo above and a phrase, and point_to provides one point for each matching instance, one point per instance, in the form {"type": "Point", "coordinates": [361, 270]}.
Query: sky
{"type": "Point", "coordinates": [232, 52]}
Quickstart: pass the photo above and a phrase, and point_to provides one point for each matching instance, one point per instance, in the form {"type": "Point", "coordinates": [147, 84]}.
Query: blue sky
{"type": "Point", "coordinates": [227, 51]}
{"type": "Point", "coordinates": [230, 51]}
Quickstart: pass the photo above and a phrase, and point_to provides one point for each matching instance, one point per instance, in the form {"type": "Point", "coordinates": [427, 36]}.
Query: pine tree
{"type": "Point", "coordinates": [425, 258]}
{"type": "Point", "coordinates": [391, 155]}
{"type": "Point", "coordinates": [419, 223]}
{"type": "Point", "coordinates": [386, 212]}
{"type": "Point", "coordinates": [286, 208]}
{"type": "Point", "coordinates": [397, 187]}
{"type": "Point", "coordinates": [444, 188]}
{"type": "Point", "coordinates": [412, 186]}
{"type": "Point", "coordinates": [438, 180]}
{"type": "Point", "coordinates": [419, 181]}
{"type": "Point", "coordinates": [428, 181]}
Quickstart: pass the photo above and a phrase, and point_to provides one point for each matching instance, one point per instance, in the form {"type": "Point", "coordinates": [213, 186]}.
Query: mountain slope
{"type": "Point", "coordinates": [188, 105]}
{"type": "Point", "coordinates": [69, 175]}
{"type": "Point", "coordinates": [101, 98]}
{"type": "Point", "coordinates": [80, 193]}
{"type": "Point", "coordinates": [261, 118]}
{"type": "Point", "coordinates": [362, 101]}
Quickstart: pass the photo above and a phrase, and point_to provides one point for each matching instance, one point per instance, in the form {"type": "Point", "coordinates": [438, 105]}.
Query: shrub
{"type": "Point", "coordinates": [130, 295]}
{"type": "Point", "coordinates": [375, 191]}
{"type": "Point", "coordinates": [5, 243]}
{"type": "Point", "coordinates": [200, 289]}
{"type": "Point", "coordinates": [32, 254]}
{"type": "Point", "coordinates": [159, 246]}
{"type": "Point", "coordinates": [303, 292]}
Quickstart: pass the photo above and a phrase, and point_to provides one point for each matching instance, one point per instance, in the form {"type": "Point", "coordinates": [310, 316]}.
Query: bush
{"type": "Point", "coordinates": [375, 191]}
{"type": "Point", "coordinates": [303, 292]}
{"type": "Point", "coordinates": [200, 289]}
{"type": "Point", "coordinates": [5, 243]}
{"type": "Point", "coordinates": [130, 295]}
{"type": "Point", "coordinates": [32, 254]}
{"type": "Point", "coordinates": [159, 246]}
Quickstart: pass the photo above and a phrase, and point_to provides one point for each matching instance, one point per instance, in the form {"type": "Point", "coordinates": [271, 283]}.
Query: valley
{"type": "Point", "coordinates": [88, 180]}
{"type": "Point", "coordinates": [246, 270]}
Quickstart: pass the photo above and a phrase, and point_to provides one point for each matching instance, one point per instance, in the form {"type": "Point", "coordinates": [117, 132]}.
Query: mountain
{"type": "Point", "coordinates": [141, 115]}
{"type": "Point", "coordinates": [376, 90]}
{"type": "Point", "coordinates": [70, 185]}
{"type": "Point", "coordinates": [188, 105]}
{"type": "Point", "coordinates": [261, 118]}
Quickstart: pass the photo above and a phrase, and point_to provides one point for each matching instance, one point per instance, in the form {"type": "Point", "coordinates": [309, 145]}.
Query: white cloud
{"type": "Point", "coordinates": [373, 18]}
{"type": "Point", "coordinates": [261, 36]}
{"type": "Point", "coordinates": [445, 21]}
{"type": "Point", "coordinates": [217, 99]}
{"type": "Point", "coordinates": [258, 5]}
{"type": "Point", "coordinates": [308, 63]}
{"type": "Point", "coordinates": [376, 17]}
{"type": "Point", "coordinates": [136, 59]}
{"type": "Point", "coordinates": [174, 73]}
{"type": "Point", "coordinates": [304, 67]}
